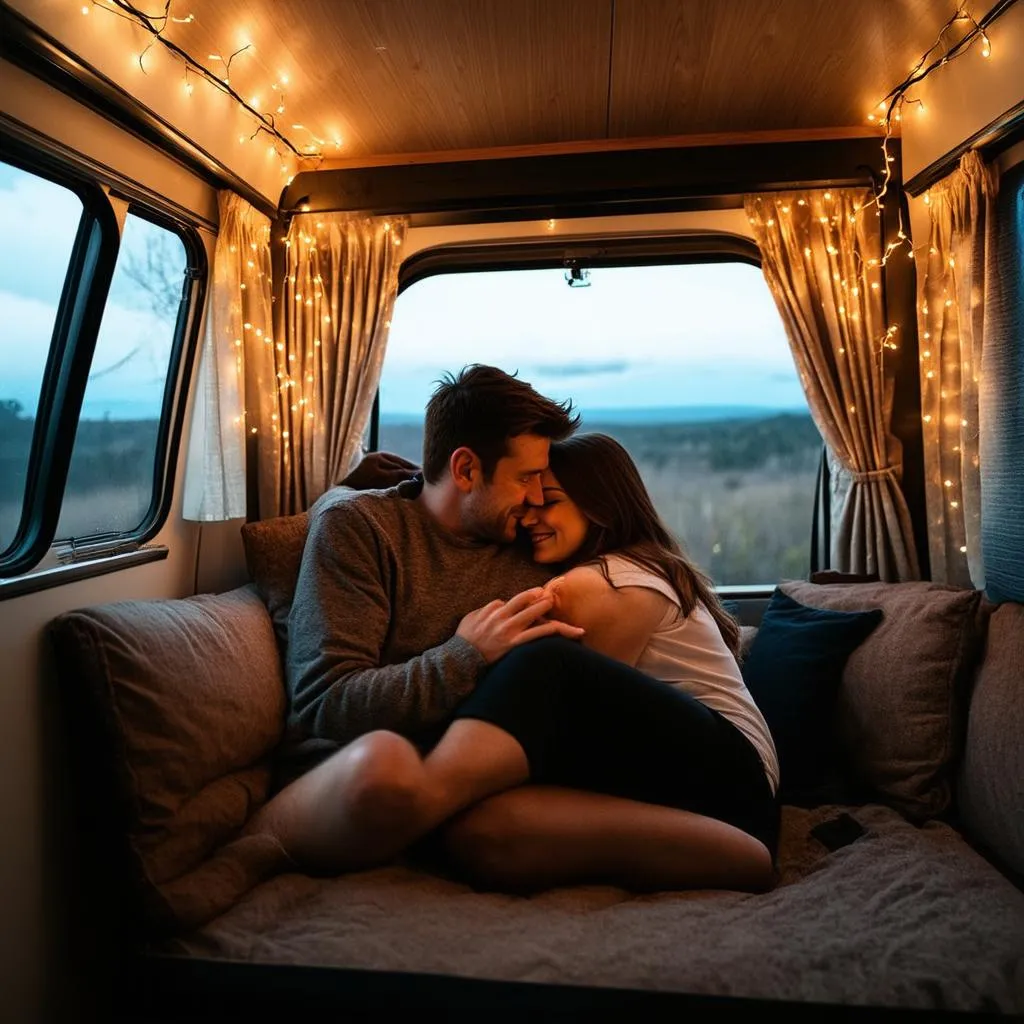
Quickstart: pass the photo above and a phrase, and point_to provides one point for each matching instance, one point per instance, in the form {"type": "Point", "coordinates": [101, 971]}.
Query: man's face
{"type": "Point", "coordinates": [494, 507]}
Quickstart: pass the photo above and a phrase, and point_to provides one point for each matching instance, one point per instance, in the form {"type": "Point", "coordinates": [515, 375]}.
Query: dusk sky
{"type": "Point", "coordinates": [703, 334]}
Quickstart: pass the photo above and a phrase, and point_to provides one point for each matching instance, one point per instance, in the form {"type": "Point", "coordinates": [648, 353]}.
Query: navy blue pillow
{"type": "Point", "coordinates": [793, 673]}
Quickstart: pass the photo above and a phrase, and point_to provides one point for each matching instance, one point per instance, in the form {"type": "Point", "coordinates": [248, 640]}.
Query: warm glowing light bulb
{"type": "Point", "coordinates": [85, 10]}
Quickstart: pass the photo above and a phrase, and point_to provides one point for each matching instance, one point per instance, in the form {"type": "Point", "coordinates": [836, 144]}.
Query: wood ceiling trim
{"type": "Point", "coordinates": [601, 146]}
{"type": "Point", "coordinates": [624, 181]}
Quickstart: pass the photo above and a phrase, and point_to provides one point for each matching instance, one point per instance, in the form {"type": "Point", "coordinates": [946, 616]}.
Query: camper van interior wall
{"type": "Point", "coordinates": [767, 254]}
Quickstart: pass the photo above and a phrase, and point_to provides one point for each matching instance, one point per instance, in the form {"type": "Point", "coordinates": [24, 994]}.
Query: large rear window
{"type": "Point", "coordinates": [687, 365]}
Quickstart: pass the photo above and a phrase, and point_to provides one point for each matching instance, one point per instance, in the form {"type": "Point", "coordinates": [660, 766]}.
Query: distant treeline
{"type": "Point", "coordinates": [784, 441]}
{"type": "Point", "coordinates": [738, 493]}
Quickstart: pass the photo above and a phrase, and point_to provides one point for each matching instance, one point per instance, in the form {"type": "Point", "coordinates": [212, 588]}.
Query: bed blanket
{"type": "Point", "coordinates": [902, 916]}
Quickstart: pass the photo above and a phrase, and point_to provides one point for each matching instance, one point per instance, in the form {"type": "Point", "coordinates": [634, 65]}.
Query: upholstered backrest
{"type": "Point", "coordinates": [273, 555]}
{"type": "Point", "coordinates": [902, 704]}
{"type": "Point", "coordinates": [990, 785]}
{"type": "Point", "coordinates": [182, 701]}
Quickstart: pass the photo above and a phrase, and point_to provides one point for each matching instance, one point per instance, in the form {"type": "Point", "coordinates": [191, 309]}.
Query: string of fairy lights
{"type": "Point", "coordinates": [825, 212]}
{"type": "Point", "coordinates": [264, 116]}
{"type": "Point", "coordinates": [961, 33]}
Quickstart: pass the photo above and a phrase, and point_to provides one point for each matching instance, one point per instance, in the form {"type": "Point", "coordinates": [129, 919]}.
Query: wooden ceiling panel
{"type": "Point", "coordinates": [412, 75]}
{"type": "Point", "coordinates": [682, 67]}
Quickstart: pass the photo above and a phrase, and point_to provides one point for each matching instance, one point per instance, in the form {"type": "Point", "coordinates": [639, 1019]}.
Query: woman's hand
{"type": "Point", "coordinates": [499, 626]}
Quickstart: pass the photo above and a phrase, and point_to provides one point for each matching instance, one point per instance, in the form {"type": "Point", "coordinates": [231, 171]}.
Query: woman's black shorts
{"type": "Point", "coordinates": [588, 722]}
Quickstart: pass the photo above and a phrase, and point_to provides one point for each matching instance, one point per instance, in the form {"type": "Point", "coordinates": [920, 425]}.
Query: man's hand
{"type": "Point", "coordinates": [501, 625]}
{"type": "Point", "coordinates": [378, 470]}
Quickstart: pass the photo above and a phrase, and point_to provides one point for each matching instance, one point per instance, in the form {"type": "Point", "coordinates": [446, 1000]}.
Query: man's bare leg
{"type": "Point", "coordinates": [372, 799]}
{"type": "Point", "coordinates": [537, 837]}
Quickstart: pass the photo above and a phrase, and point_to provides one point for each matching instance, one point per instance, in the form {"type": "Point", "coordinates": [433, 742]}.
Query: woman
{"type": "Point", "coordinates": [663, 782]}
{"type": "Point", "coordinates": [680, 779]}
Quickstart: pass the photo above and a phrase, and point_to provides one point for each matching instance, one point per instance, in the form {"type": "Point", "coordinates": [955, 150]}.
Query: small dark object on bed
{"type": "Point", "coordinates": [838, 832]}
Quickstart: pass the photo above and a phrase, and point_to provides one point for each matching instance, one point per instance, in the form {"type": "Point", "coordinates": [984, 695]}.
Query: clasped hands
{"type": "Point", "coordinates": [499, 626]}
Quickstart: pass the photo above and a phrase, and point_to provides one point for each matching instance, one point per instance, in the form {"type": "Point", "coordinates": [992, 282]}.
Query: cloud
{"type": "Point", "coordinates": [581, 368]}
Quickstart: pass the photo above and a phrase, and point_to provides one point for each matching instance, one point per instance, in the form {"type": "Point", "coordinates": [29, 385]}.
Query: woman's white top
{"type": "Point", "coordinates": [689, 652]}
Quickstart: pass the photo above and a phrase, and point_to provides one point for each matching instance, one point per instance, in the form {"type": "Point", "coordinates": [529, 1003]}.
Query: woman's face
{"type": "Point", "coordinates": [558, 528]}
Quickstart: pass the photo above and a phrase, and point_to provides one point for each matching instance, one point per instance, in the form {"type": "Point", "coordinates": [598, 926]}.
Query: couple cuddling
{"type": "Point", "coordinates": [449, 693]}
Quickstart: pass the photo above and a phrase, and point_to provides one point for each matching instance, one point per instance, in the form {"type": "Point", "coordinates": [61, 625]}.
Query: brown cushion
{"type": "Point", "coordinates": [273, 554]}
{"type": "Point", "coordinates": [991, 781]}
{"type": "Point", "coordinates": [186, 702]}
{"type": "Point", "coordinates": [901, 708]}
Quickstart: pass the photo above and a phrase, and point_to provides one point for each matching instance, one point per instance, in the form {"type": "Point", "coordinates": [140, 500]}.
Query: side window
{"type": "Point", "coordinates": [113, 470]}
{"type": "Point", "coordinates": [39, 220]}
{"type": "Point", "coordinates": [98, 326]}
{"type": "Point", "coordinates": [687, 365]}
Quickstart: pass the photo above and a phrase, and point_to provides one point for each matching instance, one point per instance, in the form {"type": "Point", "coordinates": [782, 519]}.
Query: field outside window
{"type": "Point", "coordinates": [686, 365]}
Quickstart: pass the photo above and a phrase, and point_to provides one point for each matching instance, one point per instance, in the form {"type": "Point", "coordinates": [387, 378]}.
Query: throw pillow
{"type": "Point", "coordinates": [793, 673]}
{"type": "Point", "coordinates": [174, 708]}
{"type": "Point", "coordinates": [902, 704]}
{"type": "Point", "coordinates": [273, 555]}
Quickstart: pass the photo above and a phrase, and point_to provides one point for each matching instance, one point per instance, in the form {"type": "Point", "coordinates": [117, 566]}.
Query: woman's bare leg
{"type": "Point", "coordinates": [370, 800]}
{"type": "Point", "coordinates": [537, 837]}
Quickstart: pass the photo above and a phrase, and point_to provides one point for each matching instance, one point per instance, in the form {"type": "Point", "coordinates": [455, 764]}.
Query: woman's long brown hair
{"type": "Point", "coordinates": [598, 474]}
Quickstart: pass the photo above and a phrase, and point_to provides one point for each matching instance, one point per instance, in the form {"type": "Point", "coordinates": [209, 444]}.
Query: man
{"type": "Point", "coordinates": [404, 597]}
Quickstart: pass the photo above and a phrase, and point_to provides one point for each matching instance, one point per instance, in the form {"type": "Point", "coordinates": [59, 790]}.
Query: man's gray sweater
{"type": "Point", "coordinates": [371, 634]}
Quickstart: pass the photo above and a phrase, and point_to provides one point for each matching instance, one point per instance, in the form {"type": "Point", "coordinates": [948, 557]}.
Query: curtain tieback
{"type": "Point", "coordinates": [877, 474]}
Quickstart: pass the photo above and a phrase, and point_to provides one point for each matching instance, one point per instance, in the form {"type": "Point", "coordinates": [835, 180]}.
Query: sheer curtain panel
{"type": "Point", "coordinates": [339, 288]}
{"type": "Point", "coordinates": [954, 297]}
{"type": "Point", "coordinates": [233, 363]}
{"type": "Point", "coordinates": [821, 257]}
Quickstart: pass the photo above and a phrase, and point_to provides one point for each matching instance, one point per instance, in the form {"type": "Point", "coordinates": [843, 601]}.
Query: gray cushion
{"type": "Point", "coordinates": [991, 781]}
{"type": "Point", "coordinates": [185, 699]}
{"type": "Point", "coordinates": [902, 704]}
{"type": "Point", "coordinates": [273, 554]}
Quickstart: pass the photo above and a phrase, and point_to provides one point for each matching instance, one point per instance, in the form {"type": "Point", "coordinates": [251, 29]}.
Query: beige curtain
{"type": "Point", "coordinates": [952, 295]}
{"type": "Point", "coordinates": [237, 334]}
{"type": "Point", "coordinates": [341, 278]}
{"type": "Point", "coordinates": [821, 257]}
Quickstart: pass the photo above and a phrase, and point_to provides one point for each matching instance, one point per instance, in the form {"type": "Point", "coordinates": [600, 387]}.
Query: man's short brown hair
{"type": "Point", "coordinates": [481, 408]}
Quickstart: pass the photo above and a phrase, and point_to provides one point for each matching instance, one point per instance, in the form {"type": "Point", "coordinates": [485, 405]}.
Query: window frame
{"type": "Point", "coordinates": [69, 360]}
{"type": "Point", "coordinates": [661, 249]}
